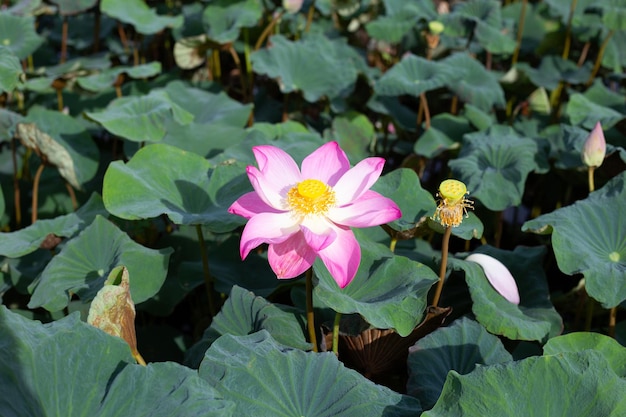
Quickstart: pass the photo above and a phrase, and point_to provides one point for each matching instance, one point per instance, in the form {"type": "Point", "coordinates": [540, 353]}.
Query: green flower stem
{"type": "Point", "coordinates": [568, 31]}
{"type": "Point", "coordinates": [310, 316]}
{"type": "Point", "coordinates": [520, 32]}
{"type": "Point", "coordinates": [444, 264]}
{"type": "Point", "coordinates": [266, 32]}
{"type": "Point", "coordinates": [596, 66]}
{"type": "Point", "coordinates": [392, 244]}
{"type": "Point", "coordinates": [309, 17]}
{"type": "Point", "coordinates": [217, 66]}
{"type": "Point", "coordinates": [592, 186]}
{"type": "Point", "coordinates": [242, 76]}
{"type": "Point", "coordinates": [612, 320]}
{"type": "Point", "coordinates": [336, 334]}
{"type": "Point", "coordinates": [208, 281]}
{"type": "Point", "coordinates": [36, 179]}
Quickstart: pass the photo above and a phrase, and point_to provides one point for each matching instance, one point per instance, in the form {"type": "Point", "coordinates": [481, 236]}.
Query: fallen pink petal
{"type": "Point", "coordinates": [307, 213]}
{"type": "Point", "coordinates": [498, 276]}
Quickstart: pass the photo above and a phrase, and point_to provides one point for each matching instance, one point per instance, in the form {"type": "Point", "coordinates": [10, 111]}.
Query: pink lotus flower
{"type": "Point", "coordinates": [306, 213]}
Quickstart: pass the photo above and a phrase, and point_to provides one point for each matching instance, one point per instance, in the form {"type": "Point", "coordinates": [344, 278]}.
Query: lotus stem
{"type": "Point", "coordinates": [392, 244]}
{"type": "Point", "coordinates": [568, 30]}
{"type": "Point", "coordinates": [309, 17]}
{"type": "Point", "coordinates": [336, 333]}
{"type": "Point", "coordinates": [424, 107]}
{"type": "Point", "coordinates": [72, 195]}
{"type": "Point", "coordinates": [590, 172]}
{"type": "Point", "coordinates": [596, 66]}
{"type": "Point", "coordinates": [444, 263]}
{"type": "Point", "coordinates": [33, 218]}
{"type": "Point", "coordinates": [583, 54]}
{"type": "Point", "coordinates": [208, 281]}
{"type": "Point", "coordinates": [139, 358]}
{"type": "Point", "coordinates": [122, 35]}
{"type": "Point", "coordinates": [16, 187]}
{"type": "Point", "coordinates": [266, 32]}
{"type": "Point", "coordinates": [217, 66]}
{"type": "Point", "coordinates": [64, 39]}
{"type": "Point", "coordinates": [242, 76]}
{"type": "Point", "coordinates": [520, 32]}
{"type": "Point", "coordinates": [310, 316]}
{"type": "Point", "coordinates": [499, 228]}
{"type": "Point", "coordinates": [612, 320]}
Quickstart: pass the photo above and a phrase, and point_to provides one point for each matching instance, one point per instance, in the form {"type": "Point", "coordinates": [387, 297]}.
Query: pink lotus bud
{"type": "Point", "coordinates": [594, 148]}
{"type": "Point", "coordinates": [292, 6]}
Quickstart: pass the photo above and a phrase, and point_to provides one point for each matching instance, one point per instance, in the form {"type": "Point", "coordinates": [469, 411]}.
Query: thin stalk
{"type": "Point", "coordinates": [336, 333]}
{"type": "Point", "coordinates": [242, 76]}
{"type": "Point", "coordinates": [33, 218]}
{"type": "Point", "coordinates": [217, 66]}
{"type": "Point", "coordinates": [568, 31]}
{"type": "Point", "coordinates": [72, 195]}
{"type": "Point", "coordinates": [64, 39]}
{"type": "Point", "coordinates": [596, 66]}
{"type": "Point", "coordinates": [208, 281]}
{"type": "Point", "coordinates": [590, 171]}
{"type": "Point", "coordinates": [583, 54]}
{"type": "Point", "coordinates": [444, 263]}
{"type": "Point", "coordinates": [309, 17]}
{"type": "Point", "coordinates": [499, 228]}
{"type": "Point", "coordinates": [266, 32]}
{"type": "Point", "coordinates": [424, 105]}
{"type": "Point", "coordinates": [392, 244]}
{"type": "Point", "coordinates": [520, 32]}
{"type": "Point", "coordinates": [310, 316]}
{"type": "Point", "coordinates": [16, 187]}
{"type": "Point", "coordinates": [139, 358]}
{"type": "Point", "coordinates": [59, 98]}
{"type": "Point", "coordinates": [612, 320]}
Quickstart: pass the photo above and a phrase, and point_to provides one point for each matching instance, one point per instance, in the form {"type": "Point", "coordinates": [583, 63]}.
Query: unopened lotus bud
{"type": "Point", "coordinates": [594, 148]}
{"type": "Point", "coordinates": [292, 6]}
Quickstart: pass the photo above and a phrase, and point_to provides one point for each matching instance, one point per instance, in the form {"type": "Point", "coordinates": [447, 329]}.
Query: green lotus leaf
{"type": "Point", "coordinates": [25, 8]}
{"type": "Point", "coordinates": [63, 141]}
{"type": "Point", "coordinates": [10, 70]}
{"type": "Point", "coordinates": [612, 351]}
{"type": "Point", "coordinates": [553, 70]}
{"type": "Point", "coordinates": [284, 61]}
{"type": "Point", "coordinates": [208, 107]}
{"type": "Point", "coordinates": [582, 111]}
{"type": "Point", "coordinates": [534, 318]}
{"type": "Point", "coordinates": [18, 35]}
{"type": "Point", "coordinates": [392, 28]}
{"type": "Point", "coordinates": [244, 313]}
{"type": "Point", "coordinates": [486, 17]}
{"type": "Point", "coordinates": [84, 263]}
{"type": "Point", "coordinates": [8, 122]}
{"type": "Point", "coordinates": [106, 79]}
{"type": "Point", "coordinates": [277, 130]}
{"type": "Point", "coordinates": [614, 15]}
{"type": "Point", "coordinates": [445, 133]}
{"type": "Point", "coordinates": [588, 238]}
{"type": "Point", "coordinates": [477, 117]}
{"type": "Point", "coordinates": [355, 134]}
{"type": "Point", "coordinates": [600, 94]}
{"type": "Point", "coordinates": [389, 291]}
{"type": "Point", "coordinates": [579, 384]}
{"type": "Point", "coordinates": [473, 83]}
{"type": "Point", "coordinates": [302, 384]}
{"type": "Point", "coordinates": [460, 347]}
{"type": "Point", "coordinates": [72, 7]}
{"type": "Point", "coordinates": [391, 106]}
{"type": "Point", "coordinates": [223, 19]}
{"type": "Point", "coordinates": [403, 186]}
{"type": "Point", "coordinates": [494, 166]}
{"type": "Point", "coordinates": [414, 75]}
{"type": "Point", "coordinates": [137, 13]}
{"type": "Point", "coordinates": [46, 368]}
{"type": "Point", "coordinates": [141, 118]}
{"type": "Point", "coordinates": [204, 139]}
{"type": "Point", "coordinates": [614, 56]}
{"type": "Point", "coordinates": [161, 179]}
{"type": "Point", "coordinates": [27, 240]}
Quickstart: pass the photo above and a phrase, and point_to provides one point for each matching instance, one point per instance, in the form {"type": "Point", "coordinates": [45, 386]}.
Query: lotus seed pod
{"type": "Point", "coordinates": [594, 148]}
{"type": "Point", "coordinates": [452, 191]}
{"type": "Point", "coordinates": [435, 27]}
{"type": "Point", "coordinates": [292, 6]}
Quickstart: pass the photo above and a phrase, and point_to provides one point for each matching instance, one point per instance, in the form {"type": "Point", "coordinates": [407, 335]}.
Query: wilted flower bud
{"type": "Point", "coordinates": [292, 6]}
{"type": "Point", "coordinates": [594, 147]}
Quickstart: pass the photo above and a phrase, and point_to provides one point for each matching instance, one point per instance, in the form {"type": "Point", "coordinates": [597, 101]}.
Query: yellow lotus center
{"type": "Point", "coordinates": [452, 190]}
{"type": "Point", "coordinates": [310, 197]}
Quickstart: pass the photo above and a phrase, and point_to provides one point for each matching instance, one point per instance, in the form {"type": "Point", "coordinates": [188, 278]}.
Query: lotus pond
{"type": "Point", "coordinates": [313, 208]}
